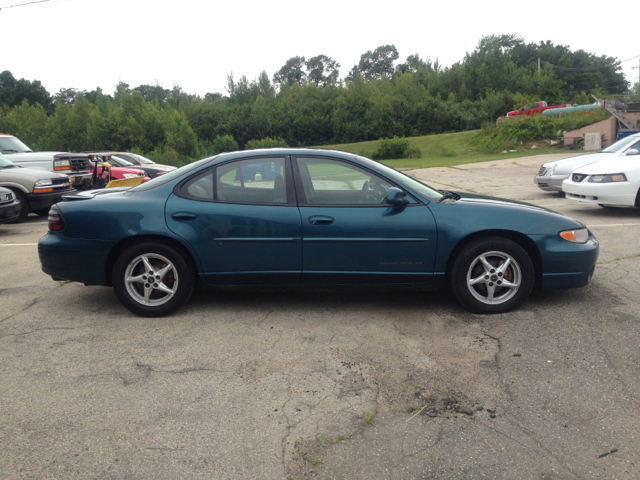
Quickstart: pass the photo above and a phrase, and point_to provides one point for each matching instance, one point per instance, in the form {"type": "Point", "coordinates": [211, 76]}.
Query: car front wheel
{"type": "Point", "coordinates": [492, 275]}
{"type": "Point", "coordinates": [152, 279]}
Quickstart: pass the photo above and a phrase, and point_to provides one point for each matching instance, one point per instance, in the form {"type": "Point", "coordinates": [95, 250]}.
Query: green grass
{"type": "Point", "coordinates": [445, 150]}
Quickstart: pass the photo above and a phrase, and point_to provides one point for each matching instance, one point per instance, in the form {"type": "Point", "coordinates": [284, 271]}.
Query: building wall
{"type": "Point", "coordinates": [606, 127]}
{"type": "Point", "coordinates": [634, 117]}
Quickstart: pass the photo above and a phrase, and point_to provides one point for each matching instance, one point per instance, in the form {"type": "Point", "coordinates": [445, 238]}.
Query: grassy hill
{"type": "Point", "coordinates": [444, 150]}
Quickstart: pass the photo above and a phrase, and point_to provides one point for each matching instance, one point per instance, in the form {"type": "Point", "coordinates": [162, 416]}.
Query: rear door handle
{"type": "Point", "coordinates": [184, 216]}
{"type": "Point", "coordinates": [321, 220]}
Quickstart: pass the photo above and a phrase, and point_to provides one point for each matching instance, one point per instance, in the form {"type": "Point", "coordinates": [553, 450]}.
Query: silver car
{"type": "Point", "coordinates": [552, 174]}
{"type": "Point", "coordinates": [36, 189]}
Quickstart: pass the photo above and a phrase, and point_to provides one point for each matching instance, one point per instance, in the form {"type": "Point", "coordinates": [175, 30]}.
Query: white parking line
{"type": "Point", "coordinates": [18, 244]}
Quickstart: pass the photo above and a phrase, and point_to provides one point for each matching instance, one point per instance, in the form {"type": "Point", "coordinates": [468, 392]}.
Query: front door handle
{"type": "Point", "coordinates": [184, 216]}
{"type": "Point", "coordinates": [321, 220]}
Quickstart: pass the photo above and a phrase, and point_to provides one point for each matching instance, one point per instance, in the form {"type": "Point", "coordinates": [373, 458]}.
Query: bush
{"type": "Point", "coordinates": [513, 131]}
{"type": "Point", "coordinates": [390, 148]}
{"type": "Point", "coordinates": [266, 142]}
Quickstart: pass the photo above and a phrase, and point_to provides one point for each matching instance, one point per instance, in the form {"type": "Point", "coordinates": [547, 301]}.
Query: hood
{"type": "Point", "coordinates": [167, 168]}
{"type": "Point", "coordinates": [28, 173]}
{"type": "Point", "coordinates": [614, 165]}
{"type": "Point", "coordinates": [123, 170]}
{"type": "Point", "coordinates": [41, 155]}
{"type": "Point", "coordinates": [568, 165]}
{"type": "Point", "coordinates": [472, 198]}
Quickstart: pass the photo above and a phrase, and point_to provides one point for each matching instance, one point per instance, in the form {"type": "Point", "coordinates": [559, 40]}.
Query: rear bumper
{"type": "Point", "coordinates": [38, 201]}
{"type": "Point", "coordinates": [83, 261]}
{"type": "Point", "coordinates": [9, 211]}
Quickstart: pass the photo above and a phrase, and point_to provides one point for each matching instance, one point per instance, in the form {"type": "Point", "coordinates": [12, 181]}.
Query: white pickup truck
{"type": "Point", "coordinates": [75, 165]}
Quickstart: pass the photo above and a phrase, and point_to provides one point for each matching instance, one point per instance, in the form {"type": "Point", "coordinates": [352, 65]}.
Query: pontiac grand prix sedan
{"type": "Point", "coordinates": [295, 217]}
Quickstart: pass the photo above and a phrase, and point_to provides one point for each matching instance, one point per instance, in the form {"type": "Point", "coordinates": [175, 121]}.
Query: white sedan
{"type": "Point", "coordinates": [607, 182]}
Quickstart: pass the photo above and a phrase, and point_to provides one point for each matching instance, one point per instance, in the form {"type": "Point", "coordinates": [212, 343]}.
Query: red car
{"type": "Point", "coordinates": [117, 173]}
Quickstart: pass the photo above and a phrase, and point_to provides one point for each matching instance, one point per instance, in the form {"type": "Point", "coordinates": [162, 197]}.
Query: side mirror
{"type": "Point", "coordinates": [395, 196]}
{"type": "Point", "coordinates": [632, 151]}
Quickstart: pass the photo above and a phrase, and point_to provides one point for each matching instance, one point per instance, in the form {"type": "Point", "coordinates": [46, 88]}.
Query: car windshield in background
{"type": "Point", "coordinates": [417, 185]}
{"type": "Point", "coordinates": [6, 163]}
{"type": "Point", "coordinates": [12, 145]}
{"type": "Point", "coordinates": [167, 177]}
{"type": "Point", "coordinates": [144, 160]}
{"type": "Point", "coordinates": [122, 161]}
{"type": "Point", "coordinates": [620, 145]}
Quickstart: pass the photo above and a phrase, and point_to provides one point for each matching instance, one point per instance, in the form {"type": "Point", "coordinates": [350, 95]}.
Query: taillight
{"type": "Point", "coordinates": [56, 223]}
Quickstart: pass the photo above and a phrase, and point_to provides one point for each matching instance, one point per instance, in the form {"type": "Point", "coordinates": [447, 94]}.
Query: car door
{"type": "Point", "coordinates": [242, 220]}
{"type": "Point", "coordinates": [351, 235]}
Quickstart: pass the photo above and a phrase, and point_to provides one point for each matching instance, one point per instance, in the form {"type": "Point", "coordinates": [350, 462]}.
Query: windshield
{"type": "Point", "coordinates": [620, 145]}
{"type": "Point", "coordinates": [12, 145]}
{"type": "Point", "coordinates": [143, 159]}
{"type": "Point", "coordinates": [122, 162]}
{"type": "Point", "coordinates": [417, 185]}
{"type": "Point", "coordinates": [5, 162]}
{"type": "Point", "coordinates": [167, 177]}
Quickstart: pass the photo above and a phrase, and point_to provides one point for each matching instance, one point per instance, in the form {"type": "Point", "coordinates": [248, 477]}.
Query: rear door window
{"type": "Point", "coordinates": [254, 181]}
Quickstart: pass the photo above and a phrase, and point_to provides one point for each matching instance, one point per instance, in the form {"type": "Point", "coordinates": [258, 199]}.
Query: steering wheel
{"type": "Point", "coordinates": [373, 192]}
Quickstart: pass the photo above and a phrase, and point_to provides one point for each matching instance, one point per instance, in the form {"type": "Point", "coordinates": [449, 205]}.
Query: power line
{"type": "Point", "coordinates": [23, 4]}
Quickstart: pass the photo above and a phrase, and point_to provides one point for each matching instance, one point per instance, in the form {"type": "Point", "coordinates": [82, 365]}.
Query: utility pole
{"type": "Point", "coordinates": [538, 64]}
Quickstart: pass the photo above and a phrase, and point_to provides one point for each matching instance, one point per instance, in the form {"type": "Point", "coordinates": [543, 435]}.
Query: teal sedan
{"type": "Point", "coordinates": [299, 217]}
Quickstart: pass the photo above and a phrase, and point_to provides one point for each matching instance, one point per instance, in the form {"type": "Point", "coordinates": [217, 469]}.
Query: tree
{"type": "Point", "coordinates": [291, 72]}
{"type": "Point", "coordinates": [412, 64]}
{"type": "Point", "coordinates": [153, 93]}
{"type": "Point", "coordinates": [322, 70]}
{"type": "Point", "coordinates": [66, 96]}
{"type": "Point", "coordinates": [13, 92]}
{"type": "Point", "coordinates": [376, 64]}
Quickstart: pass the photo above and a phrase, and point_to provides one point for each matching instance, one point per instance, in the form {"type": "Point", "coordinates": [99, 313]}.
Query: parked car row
{"type": "Point", "coordinates": [610, 177]}
{"type": "Point", "coordinates": [38, 180]}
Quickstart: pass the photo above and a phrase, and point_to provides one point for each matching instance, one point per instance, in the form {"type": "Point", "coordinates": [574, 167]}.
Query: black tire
{"type": "Point", "coordinates": [42, 212]}
{"type": "Point", "coordinates": [24, 207]}
{"type": "Point", "coordinates": [179, 277]}
{"type": "Point", "coordinates": [467, 265]}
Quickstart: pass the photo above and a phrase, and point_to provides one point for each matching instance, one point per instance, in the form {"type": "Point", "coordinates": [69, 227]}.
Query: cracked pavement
{"type": "Point", "coordinates": [275, 385]}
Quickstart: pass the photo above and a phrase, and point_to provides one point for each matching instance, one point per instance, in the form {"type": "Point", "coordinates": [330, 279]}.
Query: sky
{"type": "Point", "coordinates": [195, 44]}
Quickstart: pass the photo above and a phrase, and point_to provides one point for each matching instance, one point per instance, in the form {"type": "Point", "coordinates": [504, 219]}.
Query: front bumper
{"type": "Point", "coordinates": [39, 201]}
{"type": "Point", "coordinates": [551, 183]}
{"type": "Point", "coordinates": [9, 211]}
{"type": "Point", "coordinates": [80, 180]}
{"type": "Point", "coordinates": [566, 264]}
{"type": "Point", "coordinates": [615, 193]}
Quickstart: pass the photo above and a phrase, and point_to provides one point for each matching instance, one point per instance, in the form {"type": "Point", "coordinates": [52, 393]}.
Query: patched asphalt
{"type": "Point", "coordinates": [334, 384]}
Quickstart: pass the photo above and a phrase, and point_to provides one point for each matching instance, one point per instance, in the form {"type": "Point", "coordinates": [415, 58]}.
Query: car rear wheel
{"type": "Point", "coordinates": [152, 279]}
{"type": "Point", "coordinates": [492, 275]}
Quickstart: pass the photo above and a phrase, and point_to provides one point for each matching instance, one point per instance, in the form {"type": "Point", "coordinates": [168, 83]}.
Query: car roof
{"type": "Point", "coordinates": [285, 151]}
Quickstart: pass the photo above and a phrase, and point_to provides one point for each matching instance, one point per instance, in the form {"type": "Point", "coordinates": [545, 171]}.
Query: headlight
{"type": "Point", "coordinates": [614, 177]}
{"type": "Point", "coordinates": [43, 183]}
{"type": "Point", "coordinates": [551, 171]}
{"type": "Point", "coordinates": [130, 175]}
{"type": "Point", "coordinates": [61, 165]}
{"type": "Point", "coordinates": [580, 235]}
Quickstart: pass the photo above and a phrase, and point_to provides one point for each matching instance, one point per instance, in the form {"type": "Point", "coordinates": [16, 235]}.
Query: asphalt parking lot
{"type": "Point", "coordinates": [328, 385]}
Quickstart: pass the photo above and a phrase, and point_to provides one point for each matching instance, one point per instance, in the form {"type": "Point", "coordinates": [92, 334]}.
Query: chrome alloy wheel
{"type": "Point", "coordinates": [494, 277]}
{"type": "Point", "coordinates": [151, 279]}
